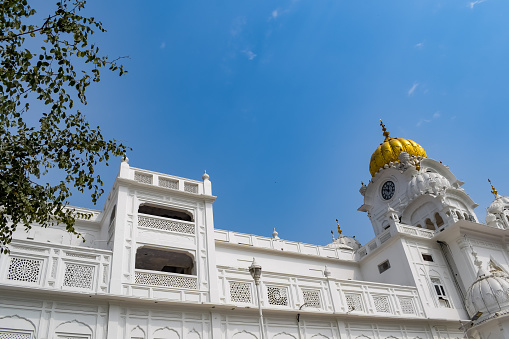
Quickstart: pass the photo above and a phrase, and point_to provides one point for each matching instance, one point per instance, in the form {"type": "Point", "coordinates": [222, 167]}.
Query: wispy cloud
{"type": "Point", "coordinates": [474, 3]}
{"type": "Point", "coordinates": [163, 45]}
{"type": "Point", "coordinates": [274, 14]}
{"type": "Point", "coordinates": [419, 45]}
{"type": "Point", "coordinates": [237, 26]}
{"type": "Point", "coordinates": [435, 116]}
{"type": "Point", "coordinates": [412, 89]}
{"type": "Point", "coordinates": [249, 53]}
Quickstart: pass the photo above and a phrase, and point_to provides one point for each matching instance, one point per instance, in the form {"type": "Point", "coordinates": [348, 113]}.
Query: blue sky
{"type": "Point", "coordinates": [280, 101]}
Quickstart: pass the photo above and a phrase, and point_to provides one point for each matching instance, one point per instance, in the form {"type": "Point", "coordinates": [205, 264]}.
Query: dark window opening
{"type": "Point", "coordinates": [165, 212]}
{"type": "Point", "coordinates": [113, 213]}
{"type": "Point", "coordinates": [427, 257]}
{"type": "Point", "coordinates": [439, 220]}
{"type": "Point", "coordinates": [429, 224]}
{"type": "Point", "coordinates": [384, 266]}
{"type": "Point", "coordinates": [164, 261]}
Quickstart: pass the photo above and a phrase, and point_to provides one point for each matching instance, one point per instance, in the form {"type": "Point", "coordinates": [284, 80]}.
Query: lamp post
{"type": "Point", "coordinates": [256, 272]}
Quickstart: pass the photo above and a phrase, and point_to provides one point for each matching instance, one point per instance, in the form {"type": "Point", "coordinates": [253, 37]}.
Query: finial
{"type": "Point", "coordinates": [205, 176]}
{"type": "Point", "coordinates": [125, 159]}
{"type": "Point", "coordinates": [493, 190]}
{"type": "Point", "coordinates": [339, 228]}
{"type": "Point", "coordinates": [275, 234]}
{"type": "Point", "coordinates": [332, 232]}
{"type": "Point", "coordinates": [386, 134]}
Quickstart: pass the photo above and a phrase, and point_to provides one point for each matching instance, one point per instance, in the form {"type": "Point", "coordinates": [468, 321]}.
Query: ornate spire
{"type": "Point", "coordinates": [493, 190]}
{"type": "Point", "coordinates": [339, 228]}
{"type": "Point", "coordinates": [386, 133]}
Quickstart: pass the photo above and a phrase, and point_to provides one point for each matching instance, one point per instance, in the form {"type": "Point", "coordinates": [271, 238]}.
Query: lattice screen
{"type": "Point", "coordinates": [240, 292]}
{"type": "Point", "coordinates": [382, 304]}
{"type": "Point", "coordinates": [23, 269]}
{"type": "Point", "coordinates": [167, 225]}
{"type": "Point", "coordinates": [169, 183]}
{"type": "Point", "coordinates": [143, 178]}
{"type": "Point", "coordinates": [312, 298]}
{"type": "Point", "coordinates": [144, 278]}
{"type": "Point", "coordinates": [14, 335]}
{"type": "Point", "coordinates": [407, 305]}
{"type": "Point", "coordinates": [277, 296]}
{"type": "Point", "coordinates": [191, 188]}
{"type": "Point", "coordinates": [354, 302]}
{"type": "Point", "coordinates": [80, 276]}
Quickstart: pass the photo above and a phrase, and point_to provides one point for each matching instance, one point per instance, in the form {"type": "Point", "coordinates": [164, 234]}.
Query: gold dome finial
{"type": "Point", "coordinates": [389, 151]}
{"type": "Point", "coordinates": [386, 133]}
{"type": "Point", "coordinates": [339, 228]}
{"type": "Point", "coordinates": [493, 190]}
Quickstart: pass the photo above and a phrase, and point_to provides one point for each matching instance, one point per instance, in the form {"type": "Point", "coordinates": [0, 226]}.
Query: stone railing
{"type": "Point", "coordinates": [389, 233]}
{"type": "Point", "coordinates": [230, 237]}
{"type": "Point", "coordinates": [56, 267]}
{"type": "Point", "coordinates": [167, 181]}
{"type": "Point", "coordinates": [173, 280]}
{"type": "Point", "coordinates": [322, 294]}
{"type": "Point", "coordinates": [166, 224]}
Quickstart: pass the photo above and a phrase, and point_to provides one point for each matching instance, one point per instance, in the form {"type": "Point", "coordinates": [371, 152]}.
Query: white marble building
{"type": "Point", "coordinates": [154, 267]}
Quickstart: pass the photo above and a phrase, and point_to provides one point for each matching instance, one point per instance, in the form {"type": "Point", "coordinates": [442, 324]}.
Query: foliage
{"type": "Point", "coordinates": [46, 62]}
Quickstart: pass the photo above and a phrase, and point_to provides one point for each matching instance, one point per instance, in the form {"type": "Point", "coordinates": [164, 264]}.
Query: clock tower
{"type": "Point", "coordinates": [408, 187]}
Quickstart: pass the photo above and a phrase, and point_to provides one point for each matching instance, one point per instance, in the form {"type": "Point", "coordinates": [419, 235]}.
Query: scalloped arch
{"type": "Point", "coordinates": [18, 322]}
{"type": "Point", "coordinates": [244, 335]}
{"type": "Point", "coordinates": [74, 326]}
{"type": "Point", "coordinates": [166, 333]}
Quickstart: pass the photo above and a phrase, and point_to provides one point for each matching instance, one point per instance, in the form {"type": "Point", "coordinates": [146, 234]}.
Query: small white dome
{"type": "Point", "coordinates": [497, 206]}
{"type": "Point", "coordinates": [345, 242]}
{"type": "Point", "coordinates": [488, 294]}
{"type": "Point", "coordinates": [426, 182]}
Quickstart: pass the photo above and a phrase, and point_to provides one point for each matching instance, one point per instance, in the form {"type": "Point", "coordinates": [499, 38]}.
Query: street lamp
{"type": "Point", "coordinates": [256, 272]}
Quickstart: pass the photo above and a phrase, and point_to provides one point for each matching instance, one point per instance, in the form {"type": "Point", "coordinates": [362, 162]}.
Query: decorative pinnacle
{"type": "Point", "coordinates": [339, 228]}
{"type": "Point", "coordinates": [493, 190]}
{"type": "Point", "coordinates": [386, 134]}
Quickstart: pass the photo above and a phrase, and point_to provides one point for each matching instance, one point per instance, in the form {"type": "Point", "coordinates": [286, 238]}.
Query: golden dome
{"type": "Point", "coordinates": [389, 151]}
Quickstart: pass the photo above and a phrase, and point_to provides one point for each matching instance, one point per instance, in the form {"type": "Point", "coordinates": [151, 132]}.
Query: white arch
{"type": "Point", "coordinates": [244, 335]}
{"type": "Point", "coordinates": [166, 333]}
{"type": "Point", "coordinates": [74, 327]}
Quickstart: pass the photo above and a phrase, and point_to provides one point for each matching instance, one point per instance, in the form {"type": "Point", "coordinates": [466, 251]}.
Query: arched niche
{"type": "Point", "coordinates": [165, 212]}
{"type": "Point", "coordinates": [166, 333]}
{"type": "Point", "coordinates": [164, 260]}
{"type": "Point", "coordinates": [244, 335]}
{"type": "Point", "coordinates": [283, 335]}
{"type": "Point", "coordinates": [137, 333]}
{"type": "Point", "coordinates": [422, 207]}
{"type": "Point", "coordinates": [74, 327]}
{"type": "Point", "coordinates": [16, 322]}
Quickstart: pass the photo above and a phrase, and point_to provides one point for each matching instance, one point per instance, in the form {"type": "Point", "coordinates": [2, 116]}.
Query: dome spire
{"type": "Point", "coordinates": [339, 228]}
{"type": "Point", "coordinates": [386, 133]}
{"type": "Point", "coordinates": [493, 190]}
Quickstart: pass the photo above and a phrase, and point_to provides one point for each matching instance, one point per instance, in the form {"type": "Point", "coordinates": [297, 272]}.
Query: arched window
{"type": "Point", "coordinates": [439, 220]}
{"type": "Point", "coordinates": [429, 224]}
{"type": "Point", "coordinates": [153, 259]}
{"type": "Point", "coordinates": [466, 216]}
{"type": "Point", "coordinates": [419, 225]}
{"type": "Point", "coordinates": [165, 212]}
{"type": "Point", "coordinates": [458, 214]}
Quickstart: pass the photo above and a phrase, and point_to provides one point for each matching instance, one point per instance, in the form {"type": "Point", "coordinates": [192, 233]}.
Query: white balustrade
{"type": "Point", "coordinates": [173, 280]}
{"type": "Point", "coordinates": [166, 224]}
{"type": "Point", "coordinates": [56, 267]}
{"type": "Point", "coordinates": [166, 181]}
{"type": "Point", "coordinates": [354, 296]}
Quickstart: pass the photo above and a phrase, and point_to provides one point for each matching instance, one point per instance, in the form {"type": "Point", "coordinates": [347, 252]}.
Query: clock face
{"type": "Point", "coordinates": [388, 190]}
